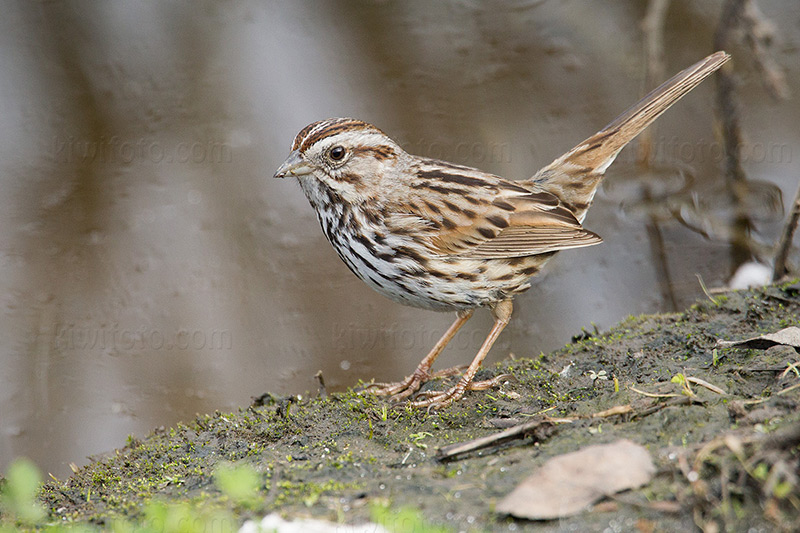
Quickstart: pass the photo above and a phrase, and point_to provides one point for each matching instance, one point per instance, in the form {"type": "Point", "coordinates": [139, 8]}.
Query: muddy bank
{"type": "Point", "coordinates": [721, 423]}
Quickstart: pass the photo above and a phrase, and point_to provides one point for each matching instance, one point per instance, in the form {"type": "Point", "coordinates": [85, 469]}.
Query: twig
{"type": "Point", "coordinates": [539, 428]}
{"type": "Point", "coordinates": [758, 34]}
{"type": "Point", "coordinates": [785, 244]}
{"type": "Point", "coordinates": [672, 402]}
{"type": "Point", "coordinates": [653, 29]}
{"type": "Point", "coordinates": [788, 389]}
{"type": "Point", "coordinates": [706, 384]}
{"type": "Point", "coordinates": [732, 13]}
{"type": "Point", "coordinates": [652, 394]}
{"type": "Point", "coordinates": [323, 392]}
{"type": "Point", "coordinates": [775, 369]}
{"type": "Point", "coordinates": [659, 506]}
{"type": "Point", "coordinates": [614, 411]}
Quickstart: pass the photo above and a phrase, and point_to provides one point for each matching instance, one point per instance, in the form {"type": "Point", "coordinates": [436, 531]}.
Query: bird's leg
{"type": "Point", "coordinates": [437, 400]}
{"type": "Point", "coordinates": [412, 383]}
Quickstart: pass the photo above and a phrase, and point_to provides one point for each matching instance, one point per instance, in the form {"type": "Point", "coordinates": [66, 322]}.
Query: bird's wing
{"type": "Point", "coordinates": [478, 215]}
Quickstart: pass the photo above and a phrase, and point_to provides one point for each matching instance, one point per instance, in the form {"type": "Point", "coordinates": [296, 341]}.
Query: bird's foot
{"type": "Point", "coordinates": [401, 390]}
{"type": "Point", "coordinates": [441, 399]}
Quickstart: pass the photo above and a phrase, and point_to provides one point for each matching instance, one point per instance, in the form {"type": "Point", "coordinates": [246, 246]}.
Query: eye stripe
{"type": "Point", "coordinates": [378, 152]}
{"type": "Point", "coordinates": [317, 131]}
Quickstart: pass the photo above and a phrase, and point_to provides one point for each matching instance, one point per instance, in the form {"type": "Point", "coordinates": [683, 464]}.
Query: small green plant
{"type": "Point", "coordinates": [240, 483]}
{"type": "Point", "coordinates": [405, 520]}
{"type": "Point", "coordinates": [595, 376]}
{"type": "Point", "coordinates": [715, 301]}
{"type": "Point", "coordinates": [18, 493]}
{"type": "Point", "coordinates": [792, 367]}
{"type": "Point", "coordinates": [681, 380]}
{"type": "Point", "coordinates": [163, 517]}
{"type": "Point", "coordinates": [417, 438]}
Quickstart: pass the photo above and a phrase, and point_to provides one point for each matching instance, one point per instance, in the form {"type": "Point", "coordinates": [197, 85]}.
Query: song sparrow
{"type": "Point", "coordinates": [446, 237]}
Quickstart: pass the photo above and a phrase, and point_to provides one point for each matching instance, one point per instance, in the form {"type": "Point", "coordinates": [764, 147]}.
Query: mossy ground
{"type": "Point", "coordinates": [728, 459]}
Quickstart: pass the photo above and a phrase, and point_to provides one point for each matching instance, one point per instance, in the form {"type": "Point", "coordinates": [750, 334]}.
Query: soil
{"type": "Point", "coordinates": [725, 458]}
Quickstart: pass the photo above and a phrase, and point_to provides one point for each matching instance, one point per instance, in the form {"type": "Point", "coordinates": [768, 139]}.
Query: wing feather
{"type": "Point", "coordinates": [522, 241]}
{"type": "Point", "coordinates": [505, 220]}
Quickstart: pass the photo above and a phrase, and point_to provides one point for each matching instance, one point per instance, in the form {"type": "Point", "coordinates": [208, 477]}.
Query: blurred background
{"type": "Point", "coordinates": [152, 268]}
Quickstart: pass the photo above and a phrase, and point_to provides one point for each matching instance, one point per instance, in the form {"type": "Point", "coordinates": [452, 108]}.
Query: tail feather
{"type": "Point", "coordinates": [575, 176]}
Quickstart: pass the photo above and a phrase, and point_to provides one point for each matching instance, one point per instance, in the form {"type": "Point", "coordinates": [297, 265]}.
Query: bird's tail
{"type": "Point", "coordinates": [574, 176]}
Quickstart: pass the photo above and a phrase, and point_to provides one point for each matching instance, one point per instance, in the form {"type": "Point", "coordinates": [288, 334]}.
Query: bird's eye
{"type": "Point", "coordinates": [337, 153]}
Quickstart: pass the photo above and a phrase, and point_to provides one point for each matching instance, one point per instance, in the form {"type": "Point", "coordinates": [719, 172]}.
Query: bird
{"type": "Point", "coordinates": [446, 237]}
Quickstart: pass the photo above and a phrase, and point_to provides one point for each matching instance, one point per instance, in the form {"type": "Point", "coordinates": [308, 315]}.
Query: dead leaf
{"type": "Point", "coordinates": [788, 337]}
{"type": "Point", "coordinates": [567, 484]}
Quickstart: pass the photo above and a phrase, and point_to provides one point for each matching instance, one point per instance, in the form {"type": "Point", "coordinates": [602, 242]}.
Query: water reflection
{"type": "Point", "coordinates": [152, 269]}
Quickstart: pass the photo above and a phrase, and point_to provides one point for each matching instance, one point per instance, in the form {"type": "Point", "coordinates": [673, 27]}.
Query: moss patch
{"type": "Point", "coordinates": [731, 459]}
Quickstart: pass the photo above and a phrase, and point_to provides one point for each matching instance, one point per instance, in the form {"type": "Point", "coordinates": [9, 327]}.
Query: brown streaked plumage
{"type": "Point", "coordinates": [446, 237]}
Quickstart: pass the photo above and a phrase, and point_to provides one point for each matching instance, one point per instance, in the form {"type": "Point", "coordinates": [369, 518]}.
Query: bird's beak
{"type": "Point", "coordinates": [294, 166]}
